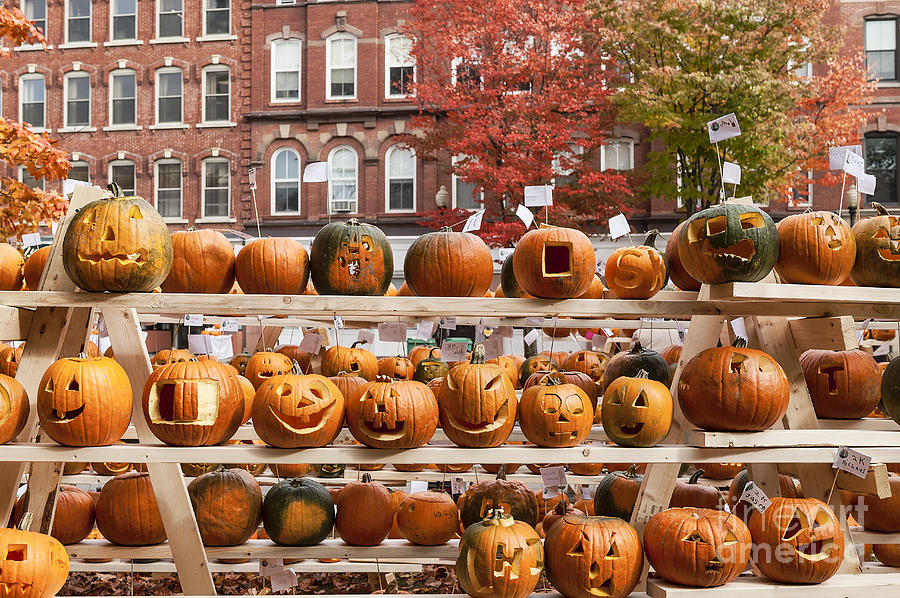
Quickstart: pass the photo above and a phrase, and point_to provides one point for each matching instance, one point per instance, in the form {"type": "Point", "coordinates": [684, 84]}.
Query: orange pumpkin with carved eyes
{"type": "Point", "coordinates": [555, 414]}
{"type": "Point", "coordinates": [265, 365]}
{"type": "Point", "coordinates": [399, 368]}
{"type": "Point", "coordinates": [14, 408]}
{"type": "Point", "coordinates": [352, 360]}
{"type": "Point", "coordinates": [877, 250]}
{"type": "Point", "coordinates": [842, 384]}
{"type": "Point", "coordinates": [815, 248]}
{"type": "Point", "coordinates": [591, 363]}
{"type": "Point", "coordinates": [637, 411]}
{"type": "Point", "coordinates": [295, 410]}
{"type": "Point", "coordinates": [33, 565]}
{"type": "Point", "coordinates": [393, 414]}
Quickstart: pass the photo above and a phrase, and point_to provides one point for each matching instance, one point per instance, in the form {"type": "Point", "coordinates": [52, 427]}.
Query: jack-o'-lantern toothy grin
{"type": "Point", "coordinates": [122, 259]}
{"type": "Point", "coordinates": [61, 416]}
{"type": "Point", "coordinates": [492, 421]}
{"type": "Point", "coordinates": [743, 250]}
{"type": "Point", "coordinates": [310, 415]}
{"type": "Point", "coordinates": [194, 402]}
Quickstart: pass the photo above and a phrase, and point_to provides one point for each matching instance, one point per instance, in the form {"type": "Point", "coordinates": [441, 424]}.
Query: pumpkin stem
{"type": "Point", "coordinates": [82, 355]}
{"type": "Point", "coordinates": [353, 222]}
{"type": "Point", "coordinates": [446, 229]}
{"type": "Point", "coordinates": [296, 369]}
{"type": "Point", "coordinates": [477, 354]}
{"type": "Point", "coordinates": [739, 343]}
{"type": "Point", "coordinates": [882, 211]}
{"type": "Point", "coordinates": [632, 471]}
{"type": "Point", "coordinates": [431, 356]}
{"type": "Point", "coordinates": [353, 346]}
{"type": "Point", "coordinates": [696, 476]}
{"type": "Point", "coordinates": [25, 521]}
{"type": "Point", "coordinates": [636, 347]}
{"type": "Point", "coordinates": [642, 374]}
{"type": "Point", "coordinates": [560, 508]}
{"type": "Point", "coordinates": [367, 478]}
{"type": "Point", "coordinates": [115, 189]}
{"type": "Point", "coordinates": [650, 241]}
{"type": "Point", "coordinates": [501, 473]}
{"type": "Point", "coordinates": [551, 380]}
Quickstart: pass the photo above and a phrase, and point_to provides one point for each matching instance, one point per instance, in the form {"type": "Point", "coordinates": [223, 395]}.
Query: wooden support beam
{"type": "Point", "coordinates": [838, 334]}
{"type": "Point", "coordinates": [14, 323]}
{"type": "Point", "coordinates": [875, 483]}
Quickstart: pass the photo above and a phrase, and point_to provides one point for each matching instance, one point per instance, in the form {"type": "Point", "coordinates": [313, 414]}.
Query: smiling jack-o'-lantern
{"type": "Point", "coordinates": [14, 408]}
{"type": "Point", "coordinates": [393, 414]}
{"type": "Point", "coordinates": [554, 262]}
{"type": "Point", "coordinates": [352, 359]}
{"type": "Point", "coordinates": [119, 244]}
{"type": "Point", "coordinates": [84, 401]}
{"type": "Point", "coordinates": [499, 557]}
{"type": "Point", "coordinates": [193, 403]}
{"type": "Point", "coordinates": [431, 367]}
{"type": "Point", "coordinates": [265, 365]}
{"type": "Point", "coordinates": [555, 414]}
{"type": "Point", "coordinates": [351, 258]}
{"type": "Point", "coordinates": [728, 243]}
{"type": "Point", "coordinates": [798, 540]}
{"type": "Point", "coordinates": [590, 557]}
{"type": "Point", "coordinates": [636, 272]}
{"type": "Point", "coordinates": [296, 410]}
{"type": "Point", "coordinates": [697, 547]}
{"type": "Point", "coordinates": [637, 411]}
{"type": "Point", "coordinates": [477, 403]}
{"type": "Point", "coordinates": [815, 248]}
{"type": "Point", "coordinates": [592, 363]}
{"type": "Point", "coordinates": [32, 565]}
{"type": "Point", "coordinates": [877, 250]}
{"type": "Point", "coordinates": [399, 368]}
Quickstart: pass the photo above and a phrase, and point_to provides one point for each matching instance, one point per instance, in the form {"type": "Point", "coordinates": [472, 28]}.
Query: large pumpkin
{"type": "Point", "coordinates": [228, 506]}
{"type": "Point", "coordinates": [629, 363]}
{"type": "Point", "coordinates": [579, 379]}
{"type": "Point", "coordinates": [296, 410]}
{"type": "Point", "coordinates": [364, 512]}
{"type": "Point", "coordinates": [33, 565]}
{"type": "Point", "coordinates": [85, 401]}
{"type": "Point", "coordinates": [118, 244]}
{"type": "Point", "coordinates": [515, 498]}
{"type": "Point", "coordinates": [477, 403]}
{"type": "Point", "coordinates": [265, 365]}
{"type": "Point", "coordinates": [298, 512]}
{"type": "Point", "coordinates": [842, 384]}
{"type": "Point", "coordinates": [877, 250]}
{"type": "Point", "coordinates": [274, 266]}
{"type": "Point", "coordinates": [127, 511]}
{"type": "Point", "coordinates": [636, 272]}
{"type": "Point", "coordinates": [555, 414]}
{"type": "Point", "coordinates": [815, 248]}
{"type": "Point", "coordinates": [448, 264]}
{"type": "Point", "coordinates": [74, 518]}
{"type": "Point", "coordinates": [352, 359]}
{"type": "Point", "coordinates": [428, 518]}
{"type": "Point", "coordinates": [351, 258]}
{"type": "Point", "coordinates": [554, 262]}
{"type": "Point", "coordinates": [11, 268]}
{"type": "Point", "coordinates": [728, 243]}
{"type": "Point", "coordinates": [34, 268]}
{"type": "Point", "coordinates": [733, 388]}
{"type": "Point", "coordinates": [393, 414]}
{"type": "Point", "coordinates": [203, 262]}
{"type": "Point", "coordinates": [676, 271]}
{"type": "Point", "coordinates": [193, 403]}
{"type": "Point", "coordinates": [14, 408]}
{"type": "Point", "coordinates": [637, 412]}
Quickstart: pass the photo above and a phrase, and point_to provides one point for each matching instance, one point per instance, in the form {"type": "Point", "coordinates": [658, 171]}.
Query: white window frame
{"type": "Point", "coordinates": [389, 93]}
{"type": "Point", "coordinates": [453, 180]}
{"type": "Point", "coordinates": [82, 43]}
{"type": "Point", "coordinates": [46, 22]}
{"type": "Point", "coordinates": [629, 140]}
{"type": "Point", "coordinates": [156, 165]}
{"type": "Point", "coordinates": [809, 194]}
{"type": "Point", "coordinates": [41, 183]}
{"type": "Point", "coordinates": [328, 67]}
{"type": "Point", "coordinates": [90, 99]}
{"type": "Point", "coordinates": [112, 25]}
{"type": "Point", "coordinates": [112, 74]}
{"type": "Point", "coordinates": [217, 68]}
{"type": "Point", "coordinates": [387, 179]}
{"type": "Point", "coordinates": [123, 162]}
{"type": "Point", "coordinates": [272, 71]}
{"type": "Point", "coordinates": [274, 180]}
{"type": "Point", "coordinates": [206, 9]}
{"type": "Point", "coordinates": [159, 14]}
{"type": "Point", "coordinates": [33, 77]}
{"type": "Point", "coordinates": [164, 71]}
{"type": "Point", "coordinates": [204, 164]}
{"type": "Point", "coordinates": [331, 179]}
{"type": "Point", "coordinates": [454, 64]}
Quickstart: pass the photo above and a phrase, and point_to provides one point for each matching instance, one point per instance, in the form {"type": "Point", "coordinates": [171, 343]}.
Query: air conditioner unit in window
{"type": "Point", "coordinates": [343, 206]}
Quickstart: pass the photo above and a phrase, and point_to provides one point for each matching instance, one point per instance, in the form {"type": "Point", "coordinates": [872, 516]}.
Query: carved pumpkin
{"type": "Point", "coordinates": [515, 498]}
{"type": "Point", "coordinates": [350, 359]}
{"type": "Point", "coordinates": [249, 393]}
{"type": "Point", "coordinates": [265, 365]}
{"type": "Point", "coordinates": [9, 360]}
{"type": "Point", "coordinates": [420, 352]}
{"type": "Point", "coordinates": [203, 262]}
{"type": "Point", "coordinates": [815, 248]}
{"type": "Point", "coordinates": [787, 488]}
{"type": "Point", "coordinates": [127, 511]}
{"type": "Point", "coordinates": [555, 415]}
{"type": "Point", "coordinates": [675, 267]}
{"type": "Point", "coordinates": [428, 518]}
{"type": "Point", "coordinates": [448, 264]}
{"type": "Point", "coordinates": [399, 368]}
{"type": "Point", "coordinates": [534, 364]}
{"type": "Point", "coordinates": [273, 266]}
{"type": "Point", "coordinates": [84, 401]}
{"type": "Point", "coordinates": [636, 272]}
{"type": "Point", "coordinates": [733, 388]}
{"type": "Point", "coordinates": [295, 410]}
{"type": "Point", "coordinates": [510, 366]}
{"type": "Point", "coordinates": [431, 367]}
{"type": "Point", "coordinates": [393, 414]}
{"type": "Point", "coordinates": [195, 469]}
{"type": "Point", "coordinates": [74, 518]}
{"type": "Point", "coordinates": [842, 384]}
{"type": "Point", "coordinates": [637, 412]}
{"type": "Point", "coordinates": [629, 363]}
{"type": "Point", "coordinates": [499, 557]}
{"type": "Point", "coordinates": [351, 258]}
{"type": "Point", "coordinates": [228, 506]}
{"type": "Point", "coordinates": [294, 353]}
{"type": "Point", "coordinates": [118, 244]}
{"type": "Point", "coordinates": [697, 547]}
{"type": "Point", "coordinates": [298, 512]}
{"type": "Point", "coordinates": [364, 512]}
{"type": "Point", "coordinates": [591, 363]}
{"type": "Point", "coordinates": [728, 243]}
{"type": "Point", "coordinates": [111, 469]}
{"type": "Point", "coordinates": [589, 557]}
{"type": "Point", "coordinates": [798, 540]}
{"type": "Point", "coordinates": [554, 262]}
{"type": "Point", "coordinates": [193, 403]}
{"type": "Point", "coordinates": [14, 408]}
{"type": "Point", "coordinates": [239, 362]}
{"type": "Point", "coordinates": [477, 403]}
{"type": "Point", "coordinates": [579, 379]}
{"type": "Point", "coordinates": [33, 565]}
{"type": "Point", "coordinates": [11, 268]}
{"type": "Point", "coordinates": [877, 250]}
{"type": "Point", "coordinates": [167, 356]}
{"type": "Point", "coordinates": [509, 286]}
{"type": "Point", "coordinates": [34, 268]}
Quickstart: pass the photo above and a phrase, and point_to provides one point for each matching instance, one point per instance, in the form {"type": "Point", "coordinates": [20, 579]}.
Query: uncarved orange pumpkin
{"type": "Point", "coordinates": [448, 264]}
{"type": "Point", "coordinates": [272, 266]}
{"type": "Point", "coordinates": [203, 262]}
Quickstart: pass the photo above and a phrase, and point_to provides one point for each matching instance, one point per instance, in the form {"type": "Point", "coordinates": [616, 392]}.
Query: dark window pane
{"type": "Point", "coordinates": [287, 197]}
{"type": "Point", "coordinates": [881, 161]}
{"type": "Point", "coordinates": [170, 110]}
{"type": "Point", "coordinates": [33, 113]}
{"type": "Point", "coordinates": [123, 176]}
{"type": "Point", "coordinates": [882, 64]}
{"type": "Point", "coordinates": [342, 84]}
{"type": "Point", "coordinates": [79, 30]}
{"type": "Point", "coordinates": [79, 172]}
{"type": "Point", "coordinates": [123, 112]}
{"type": "Point", "coordinates": [401, 78]}
{"type": "Point", "coordinates": [124, 27]}
{"type": "Point", "coordinates": [170, 25]}
{"type": "Point", "coordinates": [401, 194]}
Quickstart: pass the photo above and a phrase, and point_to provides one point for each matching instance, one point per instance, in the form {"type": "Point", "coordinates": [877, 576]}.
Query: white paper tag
{"type": "Point", "coordinates": [854, 165]}
{"type": "Point", "coordinates": [365, 336]}
{"type": "Point", "coordinates": [505, 252]}
{"type": "Point", "coordinates": [722, 128]}
{"type": "Point", "coordinates": [550, 491]}
{"type": "Point", "coordinates": [586, 492]}
{"type": "Point", "coordinates": [414, 486]}
{"type": "Point", "coordinates": [473, 222]}
{"type": "Point", "coordinates": [193, 319]}
{"type": "Point", "coordinates": [680, 327]}
{"type": "Point", "coordinates": [448, 323]}
{"type": "Point", "coordinates": [31, 240]}
{"type": "Point", "coordinates": [424, 329]}
{"type": "Point", "coordinates": [861, 332]}
{"type": "Point", "coordinates": [598, 342]}
{"type": "Point", "coordinates": [865, 183]}
{"type": "Point", "coordinates": [316, 172]}
{"type": "Point", "coordinates": [532, 337]}
{"type": "Point", "coordinates": [283, 580]}
{"type": "Point", "coordinates": [53, 226]}
{"type": "Point", "coordinates": [538, 196]}
{"type": "Point", "coordinates": [311, 343]}
{"type": "Point", "coordinates": [251, 174]}
{"type": "Point", "coordinates": [607, 331]}
{"type": "Point", "coordinates": [453, 351]}
{"type": "Point", "coordinates": [200, 344]}
{"type": "Point", "coordinates": [269, 566]}
{"type": "Point", "coordinates": [221, 347]}
{"type": "Point", "coordinates": [553, 476]}
{"type": "Point", "coordinates": [755, 497]}
{"type": "Point", "coordinates": [339, 322]}
{"type": "Point", "coordinates": [731, 173]}
{"type": "Point", "coordinates": [740, 328]}
{"type": "Point", "coordinates": [846, 459]}
{"type": "Point", "coordinates": [229, 325]}
{"type": "Point", "coordinates": [392, 332]}
{"type": "Point", "coordinates": [836, 155]}
{"type": "Point", "coordinates": [457, 486]}
{"type": "Point", "coordinates": [505, 331]}
{"type": "Point", "coordinates": [618, 226]}
{"type": "Point", "coordinates": [525, 215]}
{"type": "Point", "coordinates": [493, 346]}
{"type": "Point", "coordinates": [884, 349]}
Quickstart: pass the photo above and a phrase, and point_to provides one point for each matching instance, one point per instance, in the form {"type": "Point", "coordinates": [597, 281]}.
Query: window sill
{"type": "Point", "coordinates": [393, 99]}
{"type": "Point", "coordinates": [276, 102]}
{"type": "Point", "coordinates": [168, 126]}
{"type": "Point", "coordinates": [124, 42]}
{"type": "Point", "coordinates": [74, 45]}
{"type": "Point", "coordinates": [169, 40]}
{"type": "Point", "coordinates": [175, 221]}
{"type": "Point", "coordinates": [39, 130]}
{"type": "Point", "coordinates": [281, 215]}
{"type": "Point", "coordinates": [341, 100]}
{"type": "Point", "coordinates": [215, 220]}
{"type": "Point", "coordinates": [221, 37]}
{"type": "Point", "coordinates": [214, 125]}
{"type": "Point", "coordinates": [887, 84]}
{"type": "Point", "coordinates": [122, 128]}
{"type": "Point", "coordinates": [390, 213]}
{"type": "Point", "coordinates": [31, 48]}
{"type": "Point", "coordinates": [77, 130]}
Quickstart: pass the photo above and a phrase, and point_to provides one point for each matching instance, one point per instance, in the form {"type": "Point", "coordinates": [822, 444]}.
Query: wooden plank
{"type": "Point", "coordinates": [268, 339]}
{"type": "Point", "coordinates": [839, 586]}
{"type": "Point", "coordinates": [800, 293]}
{"type": "Point", "coordinates": [837, 333]}
{"type": "Point", "coordinates": [776, 438]}
{"type": "Point", "coordinates": [14, 323]}
{"type": "Point", "coordinates": [861, 536]}
{"type": "Point", "coordinates": [342, 566]}
{"type": "Point", "coordinates": [875, 484]}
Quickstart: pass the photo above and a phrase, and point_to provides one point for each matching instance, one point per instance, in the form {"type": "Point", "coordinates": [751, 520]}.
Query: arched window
{"type": "Point", "coordinates": [285, 181]}
{"type": "Point", "coordinates": [32, 100]}
{"type": "Point", "coordinates": [216, 94]}
{"type": "Point", "coordinates": [123, 98]}
{"type": "Point", "coordinates": [343, 183]}
{"type": "Point", "coordinates": [401, 179]}
{"type": "Point", "coordinates": [78, 99]}
{"type": "Point", "coordinates": [340, 58]}
{"type": "Point", "coordinates": [169, 95]}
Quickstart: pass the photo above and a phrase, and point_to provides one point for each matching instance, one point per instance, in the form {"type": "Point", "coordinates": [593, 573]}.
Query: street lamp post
{"type": "Point", "coordinates": [851, 199]}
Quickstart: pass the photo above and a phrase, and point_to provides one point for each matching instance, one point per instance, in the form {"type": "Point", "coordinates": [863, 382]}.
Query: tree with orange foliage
{"type": "Point", "coordinates": [23, 209]}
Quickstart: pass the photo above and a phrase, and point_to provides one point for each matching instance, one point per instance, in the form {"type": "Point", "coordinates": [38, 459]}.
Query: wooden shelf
{"type": "Point", "coordinates": [796, 438]}
{"type": "Point", "coordinates": [311, 566]}
{"type": "Point", "coordinates": [839, 586]}
{"type": "Point", "coordinates": [861, 536]}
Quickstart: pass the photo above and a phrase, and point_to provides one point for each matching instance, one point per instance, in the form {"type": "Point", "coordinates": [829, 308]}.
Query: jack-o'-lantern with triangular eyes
{"type": "Point", "coordinates": [297, 410]}
{"type": "Point", "coordinates": [32, 565]}
{"type": "Point", "coordinates": [352, 359]}
{"type": "Point", "coordinates": [589, 557]}
{"type": "Point", "coordinates": [85, 401]}
{"type": "Point", "coordinates": [477, 403]}
{"type": "Point", "coordinates": [637, 411]}
{"type": "Point", "coordinates": [393, 414]}
{"type": "Point", "coordinates": [351, 258]}
{"type": "Point", "coordinates": [815, 248]}
{"type": "Point", "coordinates": [555, 414]}
{"type": "Point", "coordinates": [729, 243]}
{"type": "Point", "coordinates": [797, 540]}
{"type": "Point", "coordinates": [877, 250]}
{"type": "Point", "coordinates": [265, 365]}
{"type": "Point", "coordinates": [592, 363]}
{"type": "Point", "coordinates": [431, 367]}
{"type": "Point", "coordinates": [697, 547]}
{"type": "Point", "coordinates": [119, 244]}
{"type": "Point", "coordinates": [193, 403]}
{"type": "Point", "coordinates": [14, 408]}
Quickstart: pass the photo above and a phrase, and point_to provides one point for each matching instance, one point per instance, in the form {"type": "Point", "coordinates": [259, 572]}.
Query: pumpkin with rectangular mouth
{"type": "Point", "coordinates": [555, 414]}
{"type": "Point", "coordinates": [877, 250]}
{"type": "Point", "coordinates": [515, 498]}
{"type": "Point", "coordinates": [296, 410]}
{"type": "Point", "coordinates": [393, 414]}
{"type": "Point", "coordinates": [815, 248]}
{"type": "Point", "coordinates": [352, 360]}
{"type": "Point", "coordinates": [265, 365]}
{"type": "Point", "coordinates": [728, 243]}
{"type": "Point", "coordinates": [554, 262]}
{"type": "Point", "coordinates": [351, 258]}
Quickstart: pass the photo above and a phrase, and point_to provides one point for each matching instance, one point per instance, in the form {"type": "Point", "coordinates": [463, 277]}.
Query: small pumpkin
{"type": "Point", "coordinates": [351, 258]}
{"type": "Point", "coordinates": [555, 414]}
{"type": "Point", "coordinates": [14, 408]}
{"type": "Point", "coordinates": [166, 356]}
{"type": "Point", "coordinates": [352, 359]}
{"type": "Point", "coordinates": [877, 261]}
{"type": "Point", "coordinates": [203, 262]}
{"type": "Point", "coordinates": [265, 365]}
{"type": "Point", "coordinates": [399, 368]}
{"type": "Point", "coordinates": [428, 518]}
{"type": "Point", "coordinates": [509, 286]}
{"type": "Point", "coordinates": [12, 265]}
{"type": "Point", "coordinates": [720, 471]}
{"type": "Point", "coordinates": [637, 412]}
{"type": "Point", "coordinates": [431, 367]}
{"type": "Point", "coordinates": [672, 354]}
{"type": "Point", "coordinates": [579, 379]}
{"type": "Point", "coordinates": [448, 264]}
{"type": "Point", "coordinates": [364, 512]}
{"type": "Point", "coordinates": [34, 268]}
{"type": "Point", "coordinates": [239, 362]}
{"type": "Point", "coordinates": [554, 262]}
{"type": "Point", "coordinates": [787, 488]}
{"type": "Point", "coordinates": [515, 498]}
{"type": "Point", "coordinates": [329, 470]}
{"type": "Point", "coordinates": [636, 272]}
{"type": "Point", "coordinates": [534, 364]}
{"type": "Point", "coordinates": [298, 512]}
{"type": "Point", "coordinates": [420, 352]}
{"type": "Point", "coordinates": [293, 470]}
{"type": "Point", "coordinates": [228, 506]}
{"type": "Point", "coordinates": [9, 360]}
{"type": "Point", "coordinates": [616, 493]}
{"type": "Point", "coordinates": [815, 248]}
{"type": "Point", "coordinates": [629, 363]}
{"type": "Point", "coordinates": [127, 511]}
{"type": "Point", "coordinates": [592, 363]}
{"type": "Point", "coordinates": [295, 410]}
{"type": "Point", "coordinates": [74, 518]}
{"type": "Point", "coordinates": [273, 266]}
{"type": "Point", "coordinates": [393, 414]}
{"type": "Point", "coordinates": [559, 511]}
{"type": "Point", "coordinates": [883, 514]}
{"type": "Point", "coordinates": [348, 384]}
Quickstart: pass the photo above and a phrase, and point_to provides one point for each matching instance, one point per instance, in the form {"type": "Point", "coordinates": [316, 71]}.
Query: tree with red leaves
{"type": "Point", "coordinates": [23, 209]}
{"type": "Point", "coordinates": [520, 92]}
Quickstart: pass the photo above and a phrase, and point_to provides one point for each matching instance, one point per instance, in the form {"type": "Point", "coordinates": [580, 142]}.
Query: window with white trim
{"type": "Point", "coordinates": [32, 100]}
{"type": "Point", "coordinates": [169, 18]}
{"type": "Point", "coordinates": [618, 154]}
{"type": "Point", "coordinates": [79, 171]}
{"type": "Point", "coordinates": [167, 187]}
{"type": "Point", "coordinates": [343, 183]}
{"type": "Point", "coordinates": [464, 194]}
{"type": "Point", "coordinates": [217, 17]}
{"type": "Point", "coordinates": [216, 188]}
{"type": "Point", "coordinates": [401, 179]}
{"type": "Point", "coordinates": [122, 173]}
{"type": "Point", "coordinates": [287, 60]}
{"type": "Point", "coordinates": [285, 181]}
{"type": "Point", "coordinates": [216, 94]}
{"type": "Point", "coordinates": [880, 35]}
{"type": "Point", "coordinates": [802, 195]}
{"type": "Point", "coordinates": [29, 181]}
{"type": "Point", "coordinates": [36, 11]}
{"type": "Point", "coordinates": [78, 21]}
{"type": "Point", "coordinates": [78, 99]}
{"type": "Point", "coordinates": [400, 66]}
{"type": "Point", "coordinates": [123, 97]}
{"type": "Point", "coordinates": [340, 74]}
{"type": "Point", "coordinates": [169, 95]}
{"type": "Point", "coordinates": [124, 20]}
